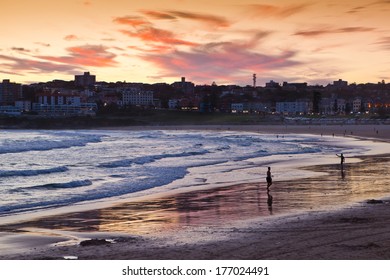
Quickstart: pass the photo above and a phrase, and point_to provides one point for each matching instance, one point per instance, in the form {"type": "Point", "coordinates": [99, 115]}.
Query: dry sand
{"type": "Point", "coordinates": [233, 222]}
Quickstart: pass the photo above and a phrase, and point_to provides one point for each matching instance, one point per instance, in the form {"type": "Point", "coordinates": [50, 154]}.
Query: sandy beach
{"type": "Point", "coordinates": [230, 222]}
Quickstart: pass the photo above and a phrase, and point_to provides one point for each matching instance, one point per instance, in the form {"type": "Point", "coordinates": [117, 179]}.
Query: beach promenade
{"type": "Point", "coordinates": [227, 222]}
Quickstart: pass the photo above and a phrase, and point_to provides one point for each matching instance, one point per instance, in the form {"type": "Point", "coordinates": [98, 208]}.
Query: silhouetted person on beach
{"type": "Point", "coordinates": [342, 159]}
{"type": "Point", "coordinates": [269, 178]}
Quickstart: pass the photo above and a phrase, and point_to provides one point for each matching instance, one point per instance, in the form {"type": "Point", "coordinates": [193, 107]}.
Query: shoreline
{"type": "Point", "coordinates": [193, 228]}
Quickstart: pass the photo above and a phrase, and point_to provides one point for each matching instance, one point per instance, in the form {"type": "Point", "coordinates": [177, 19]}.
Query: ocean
{"type": "Point", "coordinates": [41, 169]}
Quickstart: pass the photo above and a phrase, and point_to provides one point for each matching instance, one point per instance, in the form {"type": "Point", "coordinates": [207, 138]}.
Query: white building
{"type": "Point", "coordinates": [82, 109]}
{"type": "Point", "coordinates": [59, 99]}
{"type": "Point", "coordinates": [173, 103]}
{"type": "Point", "coordinates": [357, 105]}
{"type": "Point", "coordinates": [341, 105]}
{"type": "Point", "coordinates": [238, 108]}
{"type": "Point", "coordinates": [23, 105]}
{"type": "Point", "coordinates": [134, 96]}
{"type": "Point", "coordinates": [10, 110]}
{"type": "Point", "coordinates": [297, 107]}
{"type": "Point", "coordinates": [62, 104]}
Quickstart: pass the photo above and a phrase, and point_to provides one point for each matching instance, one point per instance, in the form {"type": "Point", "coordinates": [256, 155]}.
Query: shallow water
{"type": "Point", "coordinates": [42, 169]}
{"type": "Point", "coordinates": [50, 169]}
{"type": "Point", "coordinates": [224, 206]}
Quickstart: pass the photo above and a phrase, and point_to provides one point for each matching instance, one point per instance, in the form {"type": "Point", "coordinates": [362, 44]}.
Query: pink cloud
{"type": "Point", "coordinates": [19, 66]}
{"type": "Point", "coordinates": [151, 34]}
{"type": "Point", "coordinates": [87, 55]}
{"type": "Point", "coordinates": [224, 61]}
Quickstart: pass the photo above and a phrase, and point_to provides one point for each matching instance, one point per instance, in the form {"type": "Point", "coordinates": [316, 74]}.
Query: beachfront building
{"type": "Point", "coordinates": [57, 110]}
{"type": "Point", "coordinates": [23, 105]}
{"type": "Point", "coordinates": [294, 108]}
{"type": "Point", "coordinates": [259, 107]}
{"type": "Point", "coordinates": [239, 108]}
{"type": "Point", "coordinates": [332, 106]}
{"type": "Point", "coordinates": [10, 92]}
{"type": "Point", "coordinates": [10, 110]}
{"type": "Point", "coordinates": [137, 97]}
{"type": "Point", "coordinates": [58, 98]}
{"type": "Point", "coordinates": [356, 105]}
{"type": "Point", "coordinates": [62, 104]}
{"type": "Point", "coordinates": [173, 103]}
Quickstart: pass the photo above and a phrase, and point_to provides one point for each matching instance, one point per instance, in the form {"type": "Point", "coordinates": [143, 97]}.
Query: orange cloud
{"type": "Point", "coordinates": [88, 55]}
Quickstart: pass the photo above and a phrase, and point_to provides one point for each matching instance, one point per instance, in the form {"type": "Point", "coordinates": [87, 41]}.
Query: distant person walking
{"type": "Point", "coordinates": [269, 178]}
{"type": "Point", "coordinates": [342, 159]}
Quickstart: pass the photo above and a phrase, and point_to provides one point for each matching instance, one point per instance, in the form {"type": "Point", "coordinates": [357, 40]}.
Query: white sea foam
{"type": "Point", "coordinates": [41, 169]}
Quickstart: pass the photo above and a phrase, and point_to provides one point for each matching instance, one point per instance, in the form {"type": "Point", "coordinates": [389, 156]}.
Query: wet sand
{"type": "Point", "coordinates": [305, 220]}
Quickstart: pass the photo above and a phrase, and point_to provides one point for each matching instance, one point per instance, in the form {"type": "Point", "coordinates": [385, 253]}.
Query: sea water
{"type": "Point", "coordinates": [42, 169]}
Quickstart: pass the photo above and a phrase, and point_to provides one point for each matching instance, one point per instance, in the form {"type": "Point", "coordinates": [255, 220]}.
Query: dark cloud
{"type": "Point", "coordinates": [215, 21]}
{"type": "Point", "coordinates": [158, 15]}
{"type": "Point", "coordinates": [264, 10]}
{"type": "Point", "coordinates": [22, 50]}
{"type": "Point", "coordinates": [71, 37]}
{"type": "Point", "coordinates": [384, 43]}
{"type": "Point", "coordinates": [357, 10]}
{"type": "Point", "coordinates": [19, 66]}
{"type": "Point", "coordinates": [42, 44]}
{"type": "Point", "coordinates": [327, 31]}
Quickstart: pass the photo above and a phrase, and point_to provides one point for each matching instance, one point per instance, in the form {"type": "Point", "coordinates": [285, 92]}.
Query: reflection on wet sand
{"type": "Point", "coordinates": [270, 200]}
{"type": "Point", "coordinates": [219, 206]}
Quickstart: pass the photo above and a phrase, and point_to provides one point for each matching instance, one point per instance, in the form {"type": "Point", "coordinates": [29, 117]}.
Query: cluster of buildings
{"type": "Point", "coordinates": [84, 96]}
{"type": "Point", "coordinates": [76, 98]}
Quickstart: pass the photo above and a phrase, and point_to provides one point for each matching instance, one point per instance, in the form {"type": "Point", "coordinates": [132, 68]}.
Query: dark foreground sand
{"type": "Point", "coordinates": [233, 222]}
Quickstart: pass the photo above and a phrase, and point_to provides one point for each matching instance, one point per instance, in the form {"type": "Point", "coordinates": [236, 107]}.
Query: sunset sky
{"type": "Point", "coordinates": [227, 41]}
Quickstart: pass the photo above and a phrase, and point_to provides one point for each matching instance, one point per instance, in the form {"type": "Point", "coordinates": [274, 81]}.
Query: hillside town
{"type": "Point", "coordinates": [85, 96]}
